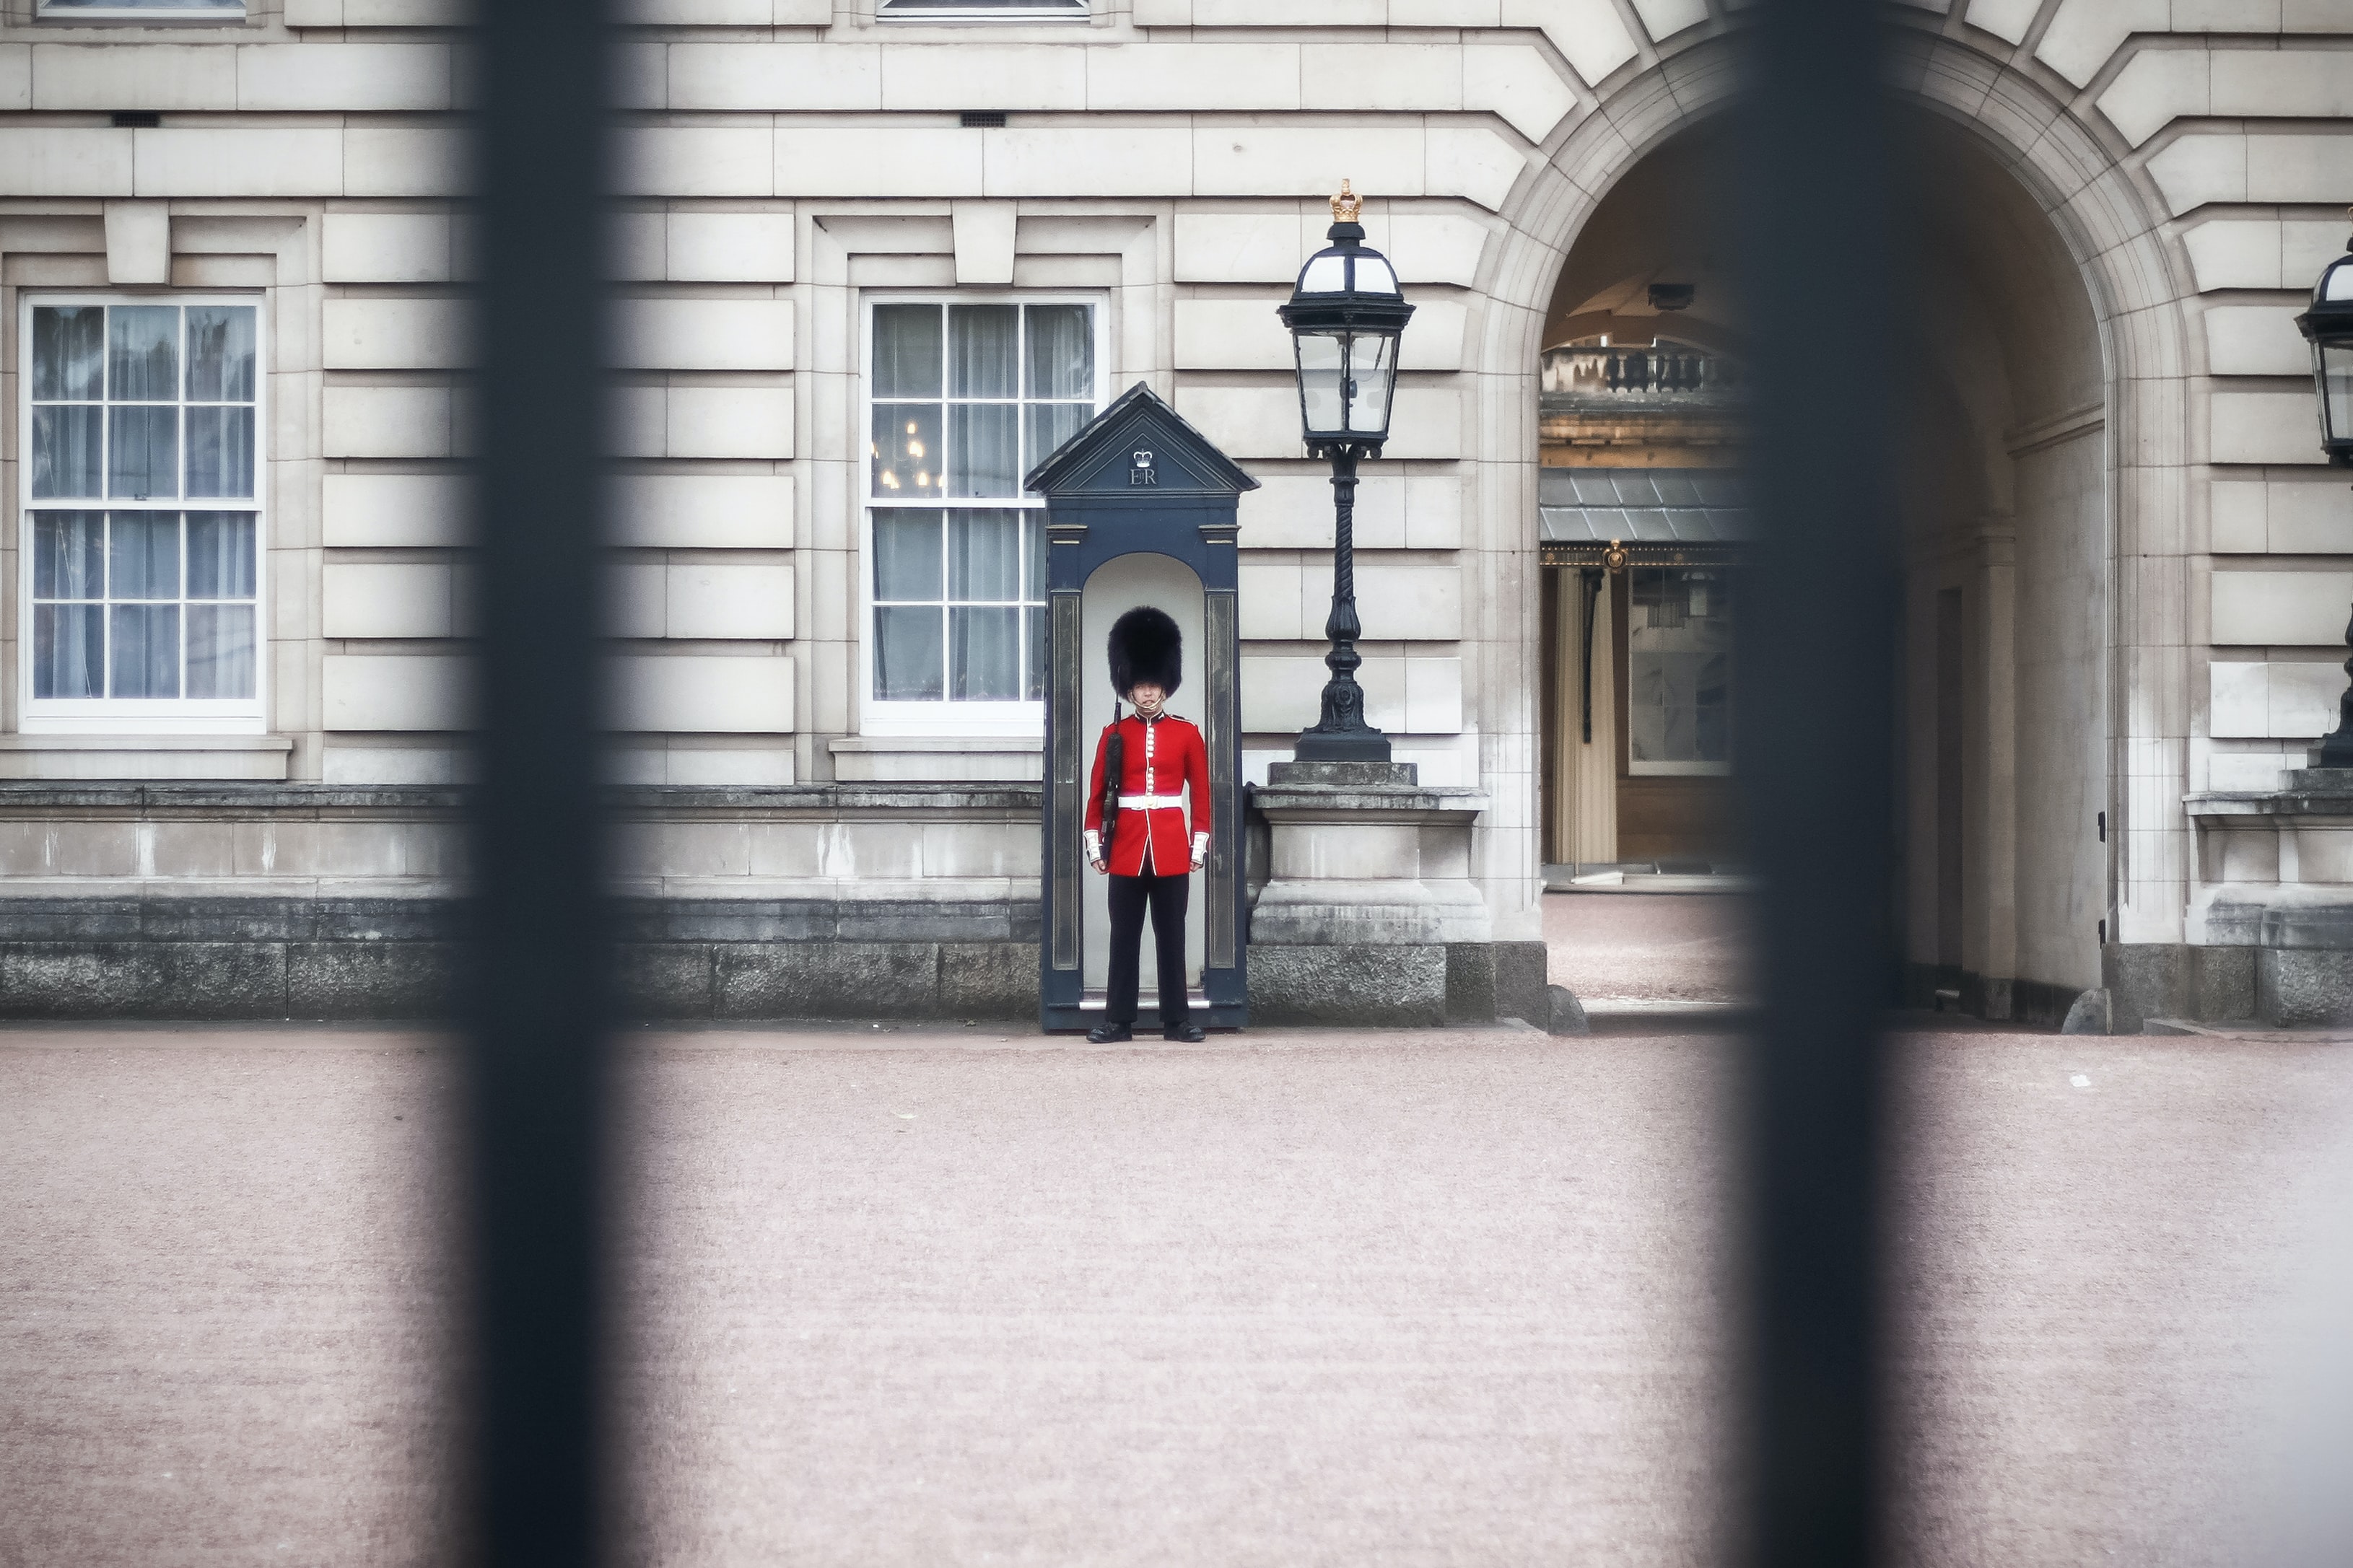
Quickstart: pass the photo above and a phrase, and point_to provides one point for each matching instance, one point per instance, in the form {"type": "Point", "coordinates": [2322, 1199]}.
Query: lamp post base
{"type": "Point", "coordinates": [1364, 745]}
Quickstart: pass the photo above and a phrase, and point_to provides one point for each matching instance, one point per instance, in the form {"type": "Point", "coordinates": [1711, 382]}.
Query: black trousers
{"type": "Point", "coordinates": [1167, 897]}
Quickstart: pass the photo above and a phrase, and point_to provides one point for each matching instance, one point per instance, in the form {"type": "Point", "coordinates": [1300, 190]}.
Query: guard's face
{"type": "Point", "coordinates": [1147, 698]}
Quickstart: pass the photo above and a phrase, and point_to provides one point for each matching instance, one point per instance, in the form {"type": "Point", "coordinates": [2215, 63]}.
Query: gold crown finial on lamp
{"type": "Point", "coordinates": [1346, 204]}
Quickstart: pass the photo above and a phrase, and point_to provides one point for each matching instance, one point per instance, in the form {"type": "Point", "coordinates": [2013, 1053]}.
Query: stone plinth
{"type": "Point", "coordinates": [1368, 913]}
{"type": "Point", "coordinates": [2274, 893]}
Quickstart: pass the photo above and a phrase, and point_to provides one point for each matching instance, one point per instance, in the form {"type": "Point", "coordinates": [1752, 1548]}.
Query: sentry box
{"type": "Point", "coordinates": [1139, 511]}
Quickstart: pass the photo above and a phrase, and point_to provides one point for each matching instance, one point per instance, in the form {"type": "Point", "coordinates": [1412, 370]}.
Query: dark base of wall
{"type": "Point", "coordinates": [398, 959]}
{"type": "Point", "coordinates": [2034, 1004]}
{"type": "Point", "coordinates": [1388, 986]}
{"type": "Point", "coordinates": [2303, 988]}
{"type": "Point", "coordinates": [1353, 984]}
{"type": "Point", "coordinates": [2040, 1005]}
{"type": "Point", "coordinates": [675, 960]}
{"type": "Point", "coordinates": [830, 979]}
{"type": "Point", "coordinates": [2173, 980]}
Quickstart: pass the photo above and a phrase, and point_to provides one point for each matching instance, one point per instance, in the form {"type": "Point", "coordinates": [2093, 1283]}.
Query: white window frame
{"type": "Point", "coordinates": [945, 719]}
{"type": "Point", "coordinates": [1638, 767]}
{"type": "Point", "coordinates": [143, 715]}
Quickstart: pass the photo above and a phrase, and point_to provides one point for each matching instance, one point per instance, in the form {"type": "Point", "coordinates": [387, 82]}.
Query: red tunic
{"type": "Point", "coordinates": [1159, 759]}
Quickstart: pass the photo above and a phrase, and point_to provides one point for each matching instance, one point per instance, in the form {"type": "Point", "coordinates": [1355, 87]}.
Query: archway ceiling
{"type": "Point", "coordinates": [1995, 301]}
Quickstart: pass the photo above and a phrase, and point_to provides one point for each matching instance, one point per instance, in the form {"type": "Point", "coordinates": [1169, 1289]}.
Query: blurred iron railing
{"type": "Point", "coordinates": [537, 990]}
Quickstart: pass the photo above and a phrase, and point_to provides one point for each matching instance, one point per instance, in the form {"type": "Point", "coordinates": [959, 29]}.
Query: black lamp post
{"type": "Point", "coordinates": [1346, 316]}
{"type": "Point", "coordinates": [2328, 327]}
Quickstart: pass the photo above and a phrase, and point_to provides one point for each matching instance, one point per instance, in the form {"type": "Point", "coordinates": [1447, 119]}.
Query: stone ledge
{"type": "Point", "coordinates": [64, 757]}
{"type": "Point", "coordinates": [395, 919]}
{"type": "Point", "coordinates": [1368, 802]}
{"type": "Point", "coordinates": [2280, 915]}
{"type": "Point", "coordinates": [20, 796]}
{"type": "Point", "coordinates": [2269, 802]}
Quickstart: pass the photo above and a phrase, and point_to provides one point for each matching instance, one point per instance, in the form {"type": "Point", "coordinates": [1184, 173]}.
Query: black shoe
{"type": "Point", "coordinates": [1189, 1033]}
{"type": "Point", "coordinates": [1109, 1034]}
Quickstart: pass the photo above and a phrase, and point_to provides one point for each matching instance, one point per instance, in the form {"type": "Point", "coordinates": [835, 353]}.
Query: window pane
{"type": "Point", "coordinates": [906, 449]}
{"type": "Point", "coordinates": [220, 451]}
{"type": "Point", "coordinates": [987, 649]}
{"type": "Point", "coordinates": [981, 341]}
{"type": "Point", "coordinates": [220, 556]}
{"type": "Point", "coordinates": [145, 661]}
{"type": "Point", "coordinates": [1061, 353]}
{"type": "Point", "coordinates": [1050, 424]}
{"type": "Point", "coordinates": [1036, 689]}
{"type": "Point", "coordinates": [220, 650]}
{"type": "Point", "coordinates": [68, 343]}
{"type": "Point", "coordinates": [66, 450]}
{"type": "Point", "coordinates": [1679, 672]}
{"type": "Point", "coordinates": [220, 353]}
{"type": "Point", "coordinates": [907, 555]}
{"type": "Point", "coordinates": [142, 455]}
{"type": "Point", "coordinates": [1037, 582]}
{"type": "Point", "coordinates": [143, 556]}
{"type": "Point", "coordinates": [906, 351]}
{"type": "Point", "coordinates": [69, 559]}
{"type": "Point", "coordinates": [1712, 716]}
{"type": "Point", "coordinates": [907, 653]}
{"type": "Point", "coordinates": [985, 555]}
{"type": "Point", "coordinates": [143, 353]}
{"type": "Point", "coordinates": [982, 455]}
{"type": "Point", "coordinates": [68, 650]}
{"type": "Point", "coordinates": [1369, 373]}
{"type": "Point", "coordinates": [1320, 379]}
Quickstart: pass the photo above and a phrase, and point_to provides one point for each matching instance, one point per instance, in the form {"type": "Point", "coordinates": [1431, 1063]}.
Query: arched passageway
{"type": "Point", "coordinates": [2004, 509]}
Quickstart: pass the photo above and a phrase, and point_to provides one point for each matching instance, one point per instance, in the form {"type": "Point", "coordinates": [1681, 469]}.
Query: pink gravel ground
{"type": "Point", "coordinates": [924, 1298]}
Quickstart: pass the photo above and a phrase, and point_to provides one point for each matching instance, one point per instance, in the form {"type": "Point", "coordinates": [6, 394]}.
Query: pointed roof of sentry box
{"type": "Point", "coordinates": [1100, 454]}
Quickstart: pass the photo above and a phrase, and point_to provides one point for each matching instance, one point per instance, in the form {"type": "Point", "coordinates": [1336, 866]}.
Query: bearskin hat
{"type": "Point", "coordinates": [1145, 646]}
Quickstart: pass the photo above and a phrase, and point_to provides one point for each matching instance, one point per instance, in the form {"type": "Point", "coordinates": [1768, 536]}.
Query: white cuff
{"type": "Point", "coordinates": [1200, 843]}
{"type": "Point", "coordinates": [1094, 845]}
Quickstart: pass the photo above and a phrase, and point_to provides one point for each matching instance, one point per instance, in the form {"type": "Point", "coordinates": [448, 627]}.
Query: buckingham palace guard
{"type": "Point", "coordinates": [1136, 829]}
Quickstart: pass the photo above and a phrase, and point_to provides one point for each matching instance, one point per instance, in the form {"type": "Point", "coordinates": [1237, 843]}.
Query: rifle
{"type": "Point", "coordinates": [1115, 767]}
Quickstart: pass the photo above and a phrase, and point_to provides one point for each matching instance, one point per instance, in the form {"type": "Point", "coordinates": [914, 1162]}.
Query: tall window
{"type": "Point", "coordinates": [142, 513]}
{"type": "Point", "coordinates": [966, 396]}
{"type": "Point", "coordinates": [1679, 671]}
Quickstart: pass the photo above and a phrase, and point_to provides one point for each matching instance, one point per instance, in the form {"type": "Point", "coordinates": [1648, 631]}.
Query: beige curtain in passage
{"type": "Point", "coordinates": [1584, 796]}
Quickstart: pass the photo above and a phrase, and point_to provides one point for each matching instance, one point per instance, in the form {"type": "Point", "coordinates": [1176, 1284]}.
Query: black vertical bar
{"type": "Point", "coordinates": [536, 983]}
{"type": "Point", "coordinates": [1816, 750]}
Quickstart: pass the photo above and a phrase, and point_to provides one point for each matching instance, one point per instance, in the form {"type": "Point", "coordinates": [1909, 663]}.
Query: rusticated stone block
{"type": "Point", "coordinates": [71, 920]}
{"type": "Point", "coordinates": [2225, 983]}
{"type": "Point", "coordinates": [2303, 988]}
{"type": "Point", "coordinates": [1380, 985]}
{"type": "Point", "coordinates": [1522, 971]}
{"type": "Point", "coordinates": [826, 980]}
{"type": "Point", "coordinates": [664, 979]}
{"type": "Point", "coordinates": [370, 980]}
{"type": "Point", "coordinates": [1470, 981]}
{"type": "Point", "coordinates": [988, 980]}
{"type": "Point", "coordinates": [143, 980]}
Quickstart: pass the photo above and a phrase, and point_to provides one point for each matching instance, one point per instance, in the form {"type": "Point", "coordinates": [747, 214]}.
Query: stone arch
{"type": "Point", "coordinates": [2109, 224]}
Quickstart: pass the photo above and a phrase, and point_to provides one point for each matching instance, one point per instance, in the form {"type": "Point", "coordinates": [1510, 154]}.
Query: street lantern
{"type": "Point", "coordinates": [2328, 327]}
{"type": "Point", "coordinates": [1346, 316]}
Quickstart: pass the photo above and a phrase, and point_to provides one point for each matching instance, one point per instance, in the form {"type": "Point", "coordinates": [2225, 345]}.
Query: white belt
{"type": "Point", "coordinates": [1149, 801]}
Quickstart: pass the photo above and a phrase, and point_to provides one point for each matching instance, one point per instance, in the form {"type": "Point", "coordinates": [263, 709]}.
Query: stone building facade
{"type": "Point", "coordinates": [231, 752]}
